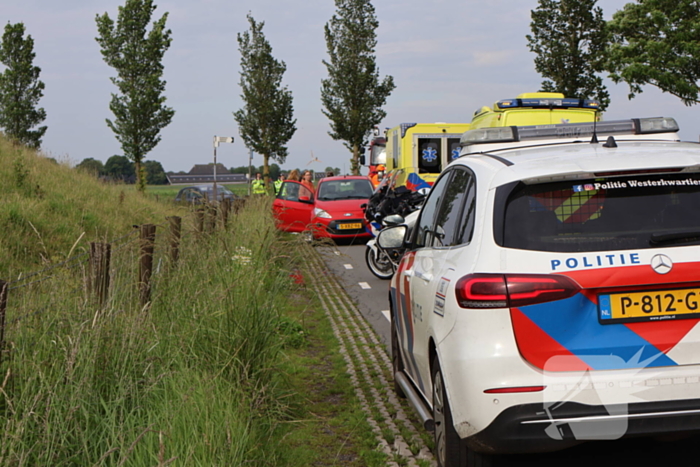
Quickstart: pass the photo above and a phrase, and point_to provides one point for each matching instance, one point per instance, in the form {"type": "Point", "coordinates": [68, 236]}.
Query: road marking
{"type": "Point", "coordinates": [386, 314]}
{"type": "Point", "coordinates": [347, 266]}
{"type": "Point", "coordinates": [364, 285]}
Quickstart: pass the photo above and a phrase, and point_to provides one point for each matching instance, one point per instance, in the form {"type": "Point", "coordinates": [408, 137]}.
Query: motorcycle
{"type": "Point", "coordinates": [381, 262]}
{"type": "Point", "coordinates": [389, 205]}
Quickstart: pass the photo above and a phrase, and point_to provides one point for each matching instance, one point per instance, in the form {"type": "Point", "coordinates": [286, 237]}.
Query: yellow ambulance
{"type": "Point", "coordinates": [421, 150]}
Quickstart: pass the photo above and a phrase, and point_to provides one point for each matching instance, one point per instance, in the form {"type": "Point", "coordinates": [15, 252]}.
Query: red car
{"type": "Point", "coordinates": [332, 212]}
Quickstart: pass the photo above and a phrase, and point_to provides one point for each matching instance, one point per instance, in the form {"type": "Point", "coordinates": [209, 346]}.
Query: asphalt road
{"type": "Point", "coordinates": [347, 263]}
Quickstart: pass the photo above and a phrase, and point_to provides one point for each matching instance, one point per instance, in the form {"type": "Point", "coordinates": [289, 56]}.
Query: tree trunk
{"type": "Point", "coordinates": [355, 163]}
{"type": "Point", "coordinates": [140, 178]}
{"type": "Point", "coordinates": [266, 173]}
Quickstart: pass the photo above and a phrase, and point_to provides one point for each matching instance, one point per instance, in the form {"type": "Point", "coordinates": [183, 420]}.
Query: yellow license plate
{"type": "Point", "coordinates": [659, 305]}
{"type": "Point", "coordinates": [356, 225]}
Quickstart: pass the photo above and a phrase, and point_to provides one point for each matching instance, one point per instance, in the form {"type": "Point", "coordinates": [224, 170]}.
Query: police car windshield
{"type": "Point", "coordinates": [621, 213]}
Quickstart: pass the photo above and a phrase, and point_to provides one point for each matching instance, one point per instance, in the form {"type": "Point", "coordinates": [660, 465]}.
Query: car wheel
{"type": "Point", "coordinates": [379, 264]}
{"type": "Point", "coordinates": [396, 361]}
{"type": "Point", "coordinates": [450, 450]}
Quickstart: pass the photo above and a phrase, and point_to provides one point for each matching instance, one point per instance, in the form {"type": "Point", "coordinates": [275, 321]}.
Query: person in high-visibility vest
{"type": "Point", "coordinates": [258, 185]}
{"type": "Point", "coordinates": [278, 183]}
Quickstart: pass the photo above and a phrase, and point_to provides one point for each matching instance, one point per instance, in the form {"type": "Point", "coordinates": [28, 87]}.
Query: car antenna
{"type": "Point", "coordinates": [594, 140]}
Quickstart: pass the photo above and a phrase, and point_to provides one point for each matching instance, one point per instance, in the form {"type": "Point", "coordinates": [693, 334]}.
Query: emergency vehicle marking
{"type": "Point", "coordinates": [404, 316]}
{"type": "Point", "coordinates": [442, 286]}
{"type": "Point", "coordinates": [415, 182]}
{"type": "Point", "coordinates": [429, 154]}
{"type": "Point", "coordinates": [571, 207]}
{"type": "Point", "coordinates": [455, 152]}
{"type": "Point", "coordinates": [571, 326]}
{"type": "Point", "coordinates": [590, 261]}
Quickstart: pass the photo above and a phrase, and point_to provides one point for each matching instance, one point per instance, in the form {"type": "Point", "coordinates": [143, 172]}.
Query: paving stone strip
{"type": "Point", "coordinates": [369, 367]}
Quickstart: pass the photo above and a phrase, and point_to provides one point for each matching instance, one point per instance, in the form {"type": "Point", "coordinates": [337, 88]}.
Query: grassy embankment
{"type": "Point", "coordinates": [217, 370]}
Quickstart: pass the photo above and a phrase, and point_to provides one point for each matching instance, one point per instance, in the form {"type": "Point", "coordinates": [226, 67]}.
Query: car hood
{"type": "Point", "coordinates": [342, 206]}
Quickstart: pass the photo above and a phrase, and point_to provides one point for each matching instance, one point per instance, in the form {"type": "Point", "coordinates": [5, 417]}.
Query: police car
{"type": "Point", "coordinates": [550, 293]}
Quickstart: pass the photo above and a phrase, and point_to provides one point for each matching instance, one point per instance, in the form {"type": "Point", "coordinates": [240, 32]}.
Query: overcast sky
{"type": "Point", "coordinates": [447, 57]}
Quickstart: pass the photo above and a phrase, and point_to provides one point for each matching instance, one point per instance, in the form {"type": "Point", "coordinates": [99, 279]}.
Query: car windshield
{"type": "Point", "coordinates": [621, 213]}
{"type": "Point", "coordinates": [332, 190]}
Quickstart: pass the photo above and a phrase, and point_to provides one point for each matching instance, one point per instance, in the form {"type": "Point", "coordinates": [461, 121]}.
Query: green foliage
{"type": "Point", "coordinates": [137, 56]}
{"type": "Point", "coordinates": [266, 122]}
{"type": "Point", "coordinates": [91, 166]}
{"type": "Point", "coordinates": [21, 172]}
{"type": "Point", "coordinates": [570, 39]}
{"type": "Point", "coordinates": [155, 175]}
{"type": "Point", "coordinates": [20, 88]}
{"type": "Point", "coordinates": [120, 168]}
{"type": "Point", "coordinates": [352, 95]}
{"type": "Point", "coordinates": [657, 42]}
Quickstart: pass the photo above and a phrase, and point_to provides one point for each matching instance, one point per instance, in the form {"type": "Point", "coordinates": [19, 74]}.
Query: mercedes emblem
{"type": "Point", "coordinates": [661, 264]}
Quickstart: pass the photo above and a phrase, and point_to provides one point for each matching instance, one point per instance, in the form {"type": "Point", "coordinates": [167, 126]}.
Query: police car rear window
{"type": "Point", "coordinates": [601, 214]}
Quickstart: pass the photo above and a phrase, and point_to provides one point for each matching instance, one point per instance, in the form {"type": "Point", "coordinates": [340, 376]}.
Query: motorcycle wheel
{"type": "Point", "coordinates": [379, 265]}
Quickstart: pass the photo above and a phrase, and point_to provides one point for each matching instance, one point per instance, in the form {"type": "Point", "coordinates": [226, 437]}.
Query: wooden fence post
{"type": "Point", "coordinates": [199, 214]}
{"type": "Point", "coordinates": [175, 223]}
{"type": "Point", "coordinates": [4, 286]}
{"type": "Point", "coordinates": [211, 217]}
{"type": "Point", "coordinates": [100, 257]}
{"type": "Point", "coordinates": [148, 240]}
{"type": "Point", "coordinates": [238, 204]}
{"type": "Point", "coordinates": [225, 210]}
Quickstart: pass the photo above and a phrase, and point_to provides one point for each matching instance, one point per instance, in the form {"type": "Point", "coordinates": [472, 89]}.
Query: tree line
{"type": "Point", "coordinates": [648, 42]}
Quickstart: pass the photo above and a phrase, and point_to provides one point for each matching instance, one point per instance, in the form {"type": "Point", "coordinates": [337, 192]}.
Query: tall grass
{"type": "Point", "coordinates": [50, 210]}
{"type": "Point", "coordinates": [191, 379]}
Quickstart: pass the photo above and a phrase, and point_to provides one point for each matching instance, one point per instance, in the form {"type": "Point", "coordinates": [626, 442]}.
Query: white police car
{"type": "Point", "coordinates": [551, 290]}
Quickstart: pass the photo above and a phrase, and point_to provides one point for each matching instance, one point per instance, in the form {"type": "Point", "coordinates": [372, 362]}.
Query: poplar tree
{"type": "Point", "coordinates": [137, 56]}
{"type": "Point", "coordinates": [353, 95]}
{"type": "Point", "coordinates": [570, 39]}
{"type": "Point", "coordinates": [657, 42]}
{"type": "Point", "coordinates": [20, 88]}
{"type": "Point", "coordinates": [266, 122]}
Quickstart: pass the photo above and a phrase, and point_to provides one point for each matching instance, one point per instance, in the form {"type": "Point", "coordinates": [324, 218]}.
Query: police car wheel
{"type": "Point", "coordinates": [379, 265]}
{"type": "Point", "coordinates": [396, 361]}
{"type": "Point", "coordinates": [450, 450]}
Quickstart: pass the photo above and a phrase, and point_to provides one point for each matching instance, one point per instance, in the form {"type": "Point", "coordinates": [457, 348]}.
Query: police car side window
{"type": "Point", "coordinates": [450, 212]}
{"type": "Point", "coordinates": [424, 232]}
{"type": "Point", "coordinates": [468, 216]}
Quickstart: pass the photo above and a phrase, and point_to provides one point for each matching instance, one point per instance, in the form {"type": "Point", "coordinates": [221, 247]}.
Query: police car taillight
{"type": "Point", "coordinates": [512, 290]}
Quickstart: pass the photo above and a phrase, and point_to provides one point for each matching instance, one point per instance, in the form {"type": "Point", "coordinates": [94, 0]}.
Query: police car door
{"type": "Point", "coordinates": [421, 276]}
{"type": "Point", "coordinates": [443, 228]}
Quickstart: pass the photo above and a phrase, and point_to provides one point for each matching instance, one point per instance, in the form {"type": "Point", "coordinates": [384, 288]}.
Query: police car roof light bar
{"type": "Point", "coordinates": [576, 131]}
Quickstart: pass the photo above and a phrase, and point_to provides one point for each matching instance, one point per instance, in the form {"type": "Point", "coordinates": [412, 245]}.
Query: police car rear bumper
{"type": "Point", "coordinates": [533, 428]}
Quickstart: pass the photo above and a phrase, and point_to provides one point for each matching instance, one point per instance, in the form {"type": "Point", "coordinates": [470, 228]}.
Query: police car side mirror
{"type": "Point", "coordinates": [362, 159]}
{"type": "Point", "coordinates": [392, 237]}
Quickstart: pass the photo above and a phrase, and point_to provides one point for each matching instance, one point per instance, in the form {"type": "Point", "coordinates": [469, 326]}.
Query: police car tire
{"type": "Point", "coordinates": [383, 273]}
{"type": "Point", "coordinates": [450, 449]}
{"type": "Point", "coordinates": [396, 361]}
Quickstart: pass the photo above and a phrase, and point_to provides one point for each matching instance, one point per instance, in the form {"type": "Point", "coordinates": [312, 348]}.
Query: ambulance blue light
{"type": "Point", "coordinates": [405, 127]}
{"type": "Point", "coordinates": [547, 103]}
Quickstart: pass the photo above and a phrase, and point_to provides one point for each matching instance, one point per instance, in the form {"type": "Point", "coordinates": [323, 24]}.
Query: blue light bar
{"type": "Point", "coordinates": [565, 103]}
